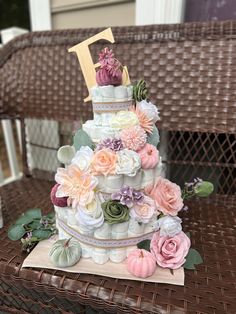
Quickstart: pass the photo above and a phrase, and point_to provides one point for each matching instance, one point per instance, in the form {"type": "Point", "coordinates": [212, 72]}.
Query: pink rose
{"type": "Point", "coordinates": [104, 162]}
{"type": "Point", "coordinates": [167, 196]}
{"type": "Point", "coordinates": [170, 252]}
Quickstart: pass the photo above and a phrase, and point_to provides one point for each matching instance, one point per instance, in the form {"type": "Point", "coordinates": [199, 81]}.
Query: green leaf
{"type": "Point", "coordinates": [188, 235]}
{"type": "Point", "coordinates": [51, 215]}
{"type": "Point", "coordinates": [81, 138]}
{"type": "Point", "coordinates": [154, 137]}
{"type": "Point", "coordinates": [34, 213]}
{"type": "Point", "coordinates": [24, 220]}
{"type": "Point", "coordinates": [15, 232]}
{"type": "Point", "coordinates": [145, 245]}
{"type": "Point", "coordinates": [41, 234]}
{"type": "Point", "coordinates": [193, 258]}
{"type": "Point", "coordinates": [34, 224]}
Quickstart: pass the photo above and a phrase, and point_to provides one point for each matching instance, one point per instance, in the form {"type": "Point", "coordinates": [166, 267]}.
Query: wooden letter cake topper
{"type": "Point", "coordinates": [86, 62]}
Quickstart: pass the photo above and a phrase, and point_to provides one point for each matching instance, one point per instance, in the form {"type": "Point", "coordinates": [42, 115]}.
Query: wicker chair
{"type": "Point", "coordinates": [190, 69]}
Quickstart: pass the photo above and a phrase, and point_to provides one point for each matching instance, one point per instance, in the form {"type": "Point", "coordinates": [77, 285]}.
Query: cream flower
{"type": "Point", "coordinates": [77, 185]}
{"type": "Point", "coordinates": [82, 158]}
{"type": "Point", "coordinates": [91, 215]}
{"type": "Point", "coordinates": [124, 119]}
{"type": "Point", "coordinates": [144, 210]}
{"type": "Point", "coordinates": [128, 162]}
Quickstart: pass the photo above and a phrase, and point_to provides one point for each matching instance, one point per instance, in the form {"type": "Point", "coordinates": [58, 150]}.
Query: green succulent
{"type": "Point", "coordinates": [140, 90]}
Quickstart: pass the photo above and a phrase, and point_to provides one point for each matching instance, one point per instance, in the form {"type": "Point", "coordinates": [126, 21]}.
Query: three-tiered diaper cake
{"type": "Point", "coordinates": [110, 196]}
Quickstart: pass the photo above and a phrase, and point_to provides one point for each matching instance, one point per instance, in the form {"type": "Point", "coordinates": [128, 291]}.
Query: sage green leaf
{"type": "Point", "coordinates": [34, 213]}
{"type": "Point", "coordinates": [154, 137]}
{"type": "Point", "coordinates": [24, 220]}
{"type": "Point", "coordinates": [188, 235]}
{"type": "Point", "coordinates": [204, 189]}
{"type": "Point", "coordinates": [34, 224]}
{"type": "Point", "coordinates": [145, 245]}
{"type": "Point", "coordinates": [51, 215]}
{"type": "Point", "coordinates": [41, 234]}
{"type": "Point", "coordinates": [81, 138]}
{"type": "Point", "coordinates": [193, 258]}
{"type": "Point", "coordinates": [15, 232]}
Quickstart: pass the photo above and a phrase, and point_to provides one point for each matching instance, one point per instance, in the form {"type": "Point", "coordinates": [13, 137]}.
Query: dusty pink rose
{"type": "Point", "coordinates": [167, 196]}
{"type": "Point", "coordinates": [170, 252]}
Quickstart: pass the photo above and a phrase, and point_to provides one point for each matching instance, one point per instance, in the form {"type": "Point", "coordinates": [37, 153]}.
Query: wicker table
{"type": "Point", "coordinates": [208, 289]}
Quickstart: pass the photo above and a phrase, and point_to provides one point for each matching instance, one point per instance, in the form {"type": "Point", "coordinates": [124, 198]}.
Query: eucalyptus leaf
{"type": "Point", "coordinates": [193, 258]}
{"type": "Point", "coordinates": [81, 138]}
{"type": "Point", "coordinates": [145, 245]}
{"type": "Point", "coordinates": [35, 213]}
{"type": "Point", "coordinates": [34, 224]}
{"type": "Point", "coordinates": [188, 235]}
{"type": "Point", "coordinates": [51, 215]}
{"type": "Point", "coordinates": [41, 234]}
{"type": "Point", "coordinates": [15, 232]}
{"type": "Point", "coordinates": [24, 220]}
{"type": "Point", "coordinates": [154, 137]}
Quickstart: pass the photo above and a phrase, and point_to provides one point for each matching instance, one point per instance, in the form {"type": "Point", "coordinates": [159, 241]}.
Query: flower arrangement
{"type": "Point", "coordinates": [132, 153]}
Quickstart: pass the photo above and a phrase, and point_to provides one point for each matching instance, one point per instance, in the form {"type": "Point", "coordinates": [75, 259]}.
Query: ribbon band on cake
{"type": "Point", "coordinates": [100, 107]}
{"type": "Point", "coordinates": [103, 243]}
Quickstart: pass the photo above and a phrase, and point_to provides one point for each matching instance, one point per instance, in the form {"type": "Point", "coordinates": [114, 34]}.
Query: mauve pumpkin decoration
{"type": "Point", "coordinates": [110, 71]}
{"type": "Point", "coordinates": [58, 201]}
{"type": "Point", "coordinates": [141, 263]}
{"type": "Point", "coordinates": [65, 253]}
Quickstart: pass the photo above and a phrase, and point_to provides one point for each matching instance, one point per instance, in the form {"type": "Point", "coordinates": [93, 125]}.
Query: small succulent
{"type": "Point", "coordinates": [140, 91]}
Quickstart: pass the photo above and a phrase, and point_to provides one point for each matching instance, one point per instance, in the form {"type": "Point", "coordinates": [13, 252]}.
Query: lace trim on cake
{"type": "Point", "coordinates": [103, 243]}
{"type": "Point", "coordinates": [111, 106]}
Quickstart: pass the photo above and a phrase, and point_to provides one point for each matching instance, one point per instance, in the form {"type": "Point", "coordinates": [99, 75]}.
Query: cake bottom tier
{"type": "Point", "coordinates": [125, 232]}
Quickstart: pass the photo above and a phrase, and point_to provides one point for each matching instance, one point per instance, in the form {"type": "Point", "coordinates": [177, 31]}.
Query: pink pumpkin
{"type": "Point", "coordinates": [149, 156]}
{"type": "Point", "coordinates": [141, 263]}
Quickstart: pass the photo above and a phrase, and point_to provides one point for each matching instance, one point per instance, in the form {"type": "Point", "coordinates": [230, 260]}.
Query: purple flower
{"type": "Point", "coordinates": [114, 144]}
{"type": "Point", "coordinates": [128, 196]}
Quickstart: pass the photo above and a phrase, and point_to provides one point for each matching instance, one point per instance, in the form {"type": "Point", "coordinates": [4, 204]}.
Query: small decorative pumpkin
{"type": "Point", "coordinates": [65, 154]}
{"type": "Point", "coordinates": [65, 253]}
{"type": "Point", "coordinates": [141, 263]}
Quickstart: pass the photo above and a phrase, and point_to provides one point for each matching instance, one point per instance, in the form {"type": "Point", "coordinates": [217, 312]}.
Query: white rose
{"type": "Point", "coordinates": [83, 158]}
{"type": "Point", "coordinates": [128, 162]}
{"type": "Point", "coordinates": [149, 109]}
{"type": "Point", "coordinates": [91, 216]}
{"type": "Point", "coordinates": [124, 119]}
{"type": "Point", "coordinates": [169, 226]}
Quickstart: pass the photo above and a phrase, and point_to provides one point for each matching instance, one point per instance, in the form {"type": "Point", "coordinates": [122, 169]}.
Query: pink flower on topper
{"type": "Point", "coordinates": [76, 184]}
{"type": "Point", "coordinates": [110, 71]}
